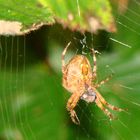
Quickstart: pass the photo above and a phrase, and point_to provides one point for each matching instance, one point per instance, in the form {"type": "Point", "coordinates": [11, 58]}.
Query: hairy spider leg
{"type": "Point", "coordinates": [72, 102]}
{"type": "Point", "coordinates": [63, 56]}
{"type": "Point", "coordinates": [103, 101]}
{"type": "Point", "coordinates": [103, 81]}
{"type": "Point", "coordinates": [100, 105]}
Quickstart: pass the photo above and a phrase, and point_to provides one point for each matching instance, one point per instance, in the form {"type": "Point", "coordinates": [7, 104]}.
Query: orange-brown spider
{"type": "Point", "coordinates": [78, 79]}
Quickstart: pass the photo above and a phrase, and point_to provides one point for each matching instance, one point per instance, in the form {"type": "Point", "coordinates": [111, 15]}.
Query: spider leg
{"type": "Point", "coordinates": [104, 102]}
{"type": "Point", "coordinates": [72, 102]}
{"type": "Point", "coordinates": [94, 73]}
{"type": "Point", "coordinates": [103, 81]}
{"type": "Point", "coordinates": [63, 56]}
{"type": "Point", "coordinates": [100, 105]}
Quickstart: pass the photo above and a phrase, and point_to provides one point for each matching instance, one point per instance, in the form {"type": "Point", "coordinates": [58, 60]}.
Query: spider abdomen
{"type": "Point", "coordinates": [77, 73]}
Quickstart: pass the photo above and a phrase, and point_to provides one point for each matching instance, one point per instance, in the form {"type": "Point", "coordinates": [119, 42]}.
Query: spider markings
{"type": "Point", "coordinates": [78, 78]}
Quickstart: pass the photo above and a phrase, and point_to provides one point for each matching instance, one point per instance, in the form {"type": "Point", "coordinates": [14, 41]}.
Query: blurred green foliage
{"type": "Point", "coordinates": [33, 101]}
{"type": "Point", "coordinates": [78, 15]}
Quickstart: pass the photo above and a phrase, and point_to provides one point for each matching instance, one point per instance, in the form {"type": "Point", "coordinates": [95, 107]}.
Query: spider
{"type": "Point", "coordinates": [78, 78]}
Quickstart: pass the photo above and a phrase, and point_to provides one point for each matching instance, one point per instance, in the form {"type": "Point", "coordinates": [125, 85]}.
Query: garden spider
{"type": "Point", "coordinates": [78, 79]}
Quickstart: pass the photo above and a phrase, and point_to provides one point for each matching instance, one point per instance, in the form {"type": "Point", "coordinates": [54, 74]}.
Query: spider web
{"type": "Point", "coordinates": [125, 124]}
{"type": "Point", "coordinates": [31, 108]}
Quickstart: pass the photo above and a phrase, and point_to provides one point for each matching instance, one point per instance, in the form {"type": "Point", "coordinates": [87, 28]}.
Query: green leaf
{"type": "Point", "coordinates": [23, 15]}
{"type": "Point", "coordinates": [20, 17]}
{"type": "Point", "coordinates": [82, 15]}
